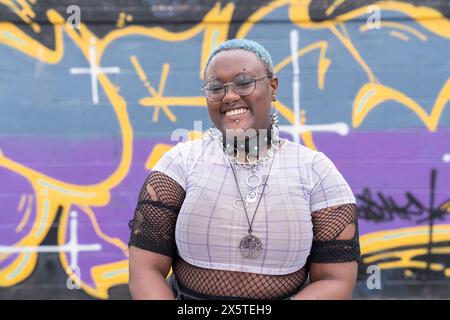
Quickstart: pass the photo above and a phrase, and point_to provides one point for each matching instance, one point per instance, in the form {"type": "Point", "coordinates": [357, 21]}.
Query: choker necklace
{"type": "Point", "coordinates": [250, 245]}
{"type": "Point", "coordinates": [250, 146]}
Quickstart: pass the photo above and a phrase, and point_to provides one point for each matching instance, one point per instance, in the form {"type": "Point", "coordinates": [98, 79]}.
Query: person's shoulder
{"type": "Point", "coordinates": [305, 152]}
{"type": "Point", "coordinates": [192, 145]}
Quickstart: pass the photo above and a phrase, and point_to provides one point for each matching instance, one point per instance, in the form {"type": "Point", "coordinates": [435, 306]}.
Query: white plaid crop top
{"type": "Point", "coordinates": [209, 228]}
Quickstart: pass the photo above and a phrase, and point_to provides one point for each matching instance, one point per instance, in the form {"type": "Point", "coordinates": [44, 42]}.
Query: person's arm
{"type": "Point", "coordinates": [335, 252]}
{"type": "Point", "coordinates": [333, 281]}
{"type": "Point", "coordinates": [330, 282]}
{"type": "Point", "coordinates": [148, 271]}
{"type": "Point", "coordinates": [152, 239]}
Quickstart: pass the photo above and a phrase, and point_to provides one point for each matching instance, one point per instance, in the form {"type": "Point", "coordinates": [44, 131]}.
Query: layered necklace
{"type": "Point", "coordinates": [250, 246]}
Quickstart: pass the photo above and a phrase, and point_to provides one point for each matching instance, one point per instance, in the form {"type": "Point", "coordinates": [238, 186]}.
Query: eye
{"type": "Point", "coordinates": [244, 83]}
{"type": "Point", "coordinates": [214, 87]}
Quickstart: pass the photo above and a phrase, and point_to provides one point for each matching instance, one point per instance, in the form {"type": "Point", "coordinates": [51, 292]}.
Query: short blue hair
{"type": "Point", "coordinates": [248, 45]}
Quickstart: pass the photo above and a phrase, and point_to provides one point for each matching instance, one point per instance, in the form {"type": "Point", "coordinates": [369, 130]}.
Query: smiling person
{"type": "Point", "coordinates": [242, 213]}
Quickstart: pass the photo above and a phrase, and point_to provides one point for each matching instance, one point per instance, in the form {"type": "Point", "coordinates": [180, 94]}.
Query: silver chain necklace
{"type": "Point", "coordinates": [217, 136]}
{"type": "Point", "coordinates": [251, 246]}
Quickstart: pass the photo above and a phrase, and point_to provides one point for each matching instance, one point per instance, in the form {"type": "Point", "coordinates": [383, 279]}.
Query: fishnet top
{"type": "Point", "coordinates": [153, 229]}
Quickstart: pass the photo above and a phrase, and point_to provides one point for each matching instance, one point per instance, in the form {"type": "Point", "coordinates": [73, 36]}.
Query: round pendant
{"type": "Point", "coordinates": [252, 196]}
{"type": "Point", "coordinates": [253, 180]}
{"type": "Point", "coordinates": [267, 189]}
{"type": "Point", "coordinates": [240, 204]}
{"type": "Point", "coordinates": [250, 246]}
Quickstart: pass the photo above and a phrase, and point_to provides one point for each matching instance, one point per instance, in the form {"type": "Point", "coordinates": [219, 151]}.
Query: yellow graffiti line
{"type": "Point", "coordinates": [323, 66]}
{"type": "Point", "coordinates": [138, 68]}
{"type": "Point", "coordinates": [57, 197]}
{"type": "Point", "coordinates": [82, 39]}
{"type": "Point", "coordinates": [101, 284]}
{"type": "Point", "coordinates": [61, 240]}
{"type": "Point", "coordinates": [429, 18]}
{"type": "Point", "coordinates": [109, 275]}
{"type": "Point", "coordinates": [174, 101]}
{"type": "Point", "coordinates": [25, 12]}
{"type": "Point", "coordinates": [13, 37]}
{"type": "Point", "coordinates": [399, 35]}
{"type": "Point", "coordinates": [158, 151]}
{"type": "Point", "coordinates": [215, 32]}
{"type": "Point", "coordinates": [156, 33]}
{"type": "Point", "coordinates": [344, 30]}
{"type": "Point", "coordinates": [92, 194]}
{"type": "Point", "coordinates": [47, 202]}
{"type": "Point", "coordinates": [259, 15]}
{"type": "Point", "coordinates": [299, 14]}
{"type": "Point", "coordinates": [390, 239]}
{"type": "Point", "coordinates": [372, 95]}
{"type": "Point", "coordinates": [151, 90]}
{"type": "Point", "coordinates": [161, 34]}
{"type": "Point", "coordinates": [165, 71]}
{"type": "Point", "coordinates": [323, 63]}
{"type": "Point", "coordinates": [24, 264]}
{"type": "Point", "coordinates": [18, 270]}
{"type": "Point", "coordinates": [307, 139]}
{"type": "Point", "coordinates": [354, 52]}
{"type": "Point", "coordinates": [114, 241]}
{"type": "Point", "coordinates": [445, 206]}
{"type": "Point", "coordinates": [26, 215]}
{"type": "Point", "coordinates": [288, 114]}
{"type": "Point", "coordinates": [161, 87]}
{"type": "Point", "coordinates": [334, 6]}
{"type": "Point", "coordinates": [23, 197]}
{"type": "Point", "coordinates": [406, 259]}
{"type": "Point", "coordinates": [397, 25]}
{"type": "Point", "coordinates": [411, 264]}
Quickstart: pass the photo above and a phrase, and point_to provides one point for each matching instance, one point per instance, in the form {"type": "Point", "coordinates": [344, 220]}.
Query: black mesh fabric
{"type": "Point", "coordinates": [234, 284]}
{"type": "Point", "coordinates": [153, 229]}
{"type": "Point", "coordinates": [328, 225]}
{"type": "Point", "coordinates": [153, 225]}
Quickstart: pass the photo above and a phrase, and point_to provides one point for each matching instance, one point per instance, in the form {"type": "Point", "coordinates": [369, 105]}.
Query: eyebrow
{"type": "Point", "coordinates": [246, 72]}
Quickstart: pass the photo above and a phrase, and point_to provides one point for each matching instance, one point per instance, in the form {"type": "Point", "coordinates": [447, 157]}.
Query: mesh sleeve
{"type": "Point", "coordinates": [328, 225]}
{"type": "Point", "coordinates": [329, 188]}
{"type": "Point", "coordinates": [153, 225]}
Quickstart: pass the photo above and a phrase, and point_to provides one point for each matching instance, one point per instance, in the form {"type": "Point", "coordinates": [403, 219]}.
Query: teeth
{"type": "Point", "coordinates": [235, 112]}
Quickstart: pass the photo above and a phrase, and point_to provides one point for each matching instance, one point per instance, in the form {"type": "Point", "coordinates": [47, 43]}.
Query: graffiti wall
{"type": "Point", "coordinates": [90, 94]}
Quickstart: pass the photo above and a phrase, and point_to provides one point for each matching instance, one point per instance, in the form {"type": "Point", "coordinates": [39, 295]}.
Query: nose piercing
{"type": "Point", "coordinates": [237, 120]}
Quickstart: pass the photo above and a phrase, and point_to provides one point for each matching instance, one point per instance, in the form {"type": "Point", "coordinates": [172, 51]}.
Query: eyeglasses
{"type": "Point", "coordinates": [216, 91]}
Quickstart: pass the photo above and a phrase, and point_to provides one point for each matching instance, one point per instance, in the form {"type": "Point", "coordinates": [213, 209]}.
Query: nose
{"type": "Point", "coordinates": [230, 96]}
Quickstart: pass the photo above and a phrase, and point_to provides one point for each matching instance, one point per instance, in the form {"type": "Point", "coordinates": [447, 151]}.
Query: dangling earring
{"type": "Point", "coordinates": [214, 132]}
{"type": "Point", "coordinates": [274, 117]}
{"type": "Point", "coordinates": [275, 131]}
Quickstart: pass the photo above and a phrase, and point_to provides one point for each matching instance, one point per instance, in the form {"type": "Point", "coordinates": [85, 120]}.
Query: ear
{"type": "Point", "coordinates": [274, 87]}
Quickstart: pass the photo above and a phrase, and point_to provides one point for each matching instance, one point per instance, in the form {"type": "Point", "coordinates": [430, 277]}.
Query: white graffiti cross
{"type": "Point", "coordinates": [73, 247]}
{"type": "Point", "coordinates": [94, 70]}
{"type": "Point", "coordinates": [297, 128]}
